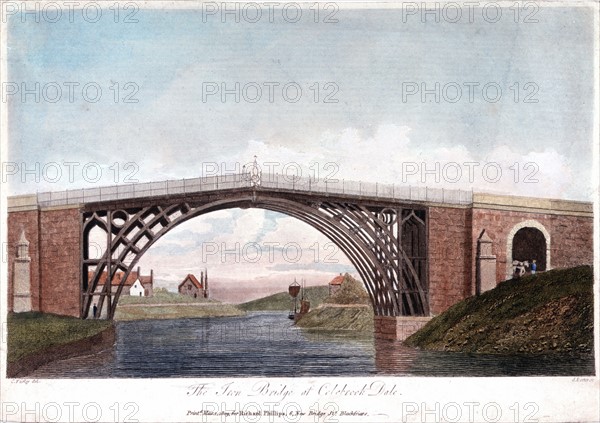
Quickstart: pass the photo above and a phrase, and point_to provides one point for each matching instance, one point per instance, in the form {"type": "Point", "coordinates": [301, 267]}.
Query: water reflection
{"type": "Point", "coordinates": [391, 357]}
{"type": "Point", "coordinates": [267, 344]}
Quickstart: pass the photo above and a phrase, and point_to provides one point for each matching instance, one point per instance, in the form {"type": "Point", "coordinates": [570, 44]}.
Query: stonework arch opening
{"type": "Point", "coordinates": [530, 244]}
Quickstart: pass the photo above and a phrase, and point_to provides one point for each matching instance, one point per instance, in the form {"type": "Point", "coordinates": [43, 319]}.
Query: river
{"type": "Point", "coordinates": [268, 344]}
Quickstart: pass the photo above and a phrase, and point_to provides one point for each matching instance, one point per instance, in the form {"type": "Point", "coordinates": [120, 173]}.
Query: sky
{"type": "Point", "coordinates": [492, 105]}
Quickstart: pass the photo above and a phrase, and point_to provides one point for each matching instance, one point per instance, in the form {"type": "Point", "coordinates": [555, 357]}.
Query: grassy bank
{"type": "Point", "coordinates": [358, 319]}
{"type": "Point", "coordinates": [174, 311]}
{"type": "Point", "coordinates": [550, 312]}
{"type": "Point", "coordinates": [34, 332]}
{"type": "Point", "coordinates": [282, 300]}
{"type": "Point", "coordinates": [349, 309]}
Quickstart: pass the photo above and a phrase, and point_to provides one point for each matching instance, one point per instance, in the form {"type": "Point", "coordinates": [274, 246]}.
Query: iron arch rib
{"type": "Point", "coordinates": [372, 245]}
{"type": "Point", "coordinates": [354, 254]}
{"type": "Point", "coordinates": [398, 266]}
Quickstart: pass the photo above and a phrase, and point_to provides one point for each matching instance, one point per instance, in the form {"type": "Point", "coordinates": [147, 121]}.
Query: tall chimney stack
{"type": "Point", "coordinates": [205, 283]}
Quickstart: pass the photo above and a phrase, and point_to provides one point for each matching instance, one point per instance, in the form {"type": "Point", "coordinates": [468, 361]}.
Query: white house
{"type": "Point", "coordinates": [136, 284]}
{"type": "Point", "coordinates": [137, 289]}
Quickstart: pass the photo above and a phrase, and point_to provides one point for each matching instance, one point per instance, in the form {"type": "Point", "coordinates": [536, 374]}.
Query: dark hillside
{"type": "Point", "coordinates": [551, 312]}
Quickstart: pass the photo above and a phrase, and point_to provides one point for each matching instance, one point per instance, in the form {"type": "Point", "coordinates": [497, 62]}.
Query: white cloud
{"type": "Point", "coordinates": [247, 227]}
{"type": "Point", "coordinates": [389, 156]}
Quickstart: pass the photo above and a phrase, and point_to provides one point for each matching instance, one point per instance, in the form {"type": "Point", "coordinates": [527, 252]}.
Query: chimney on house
{"type": "Point", "coordinates": [205, 283]}
{"type": "Point", "coordinates": [138, 272]}
{"type": "Point", "coordinates": [151, 275]}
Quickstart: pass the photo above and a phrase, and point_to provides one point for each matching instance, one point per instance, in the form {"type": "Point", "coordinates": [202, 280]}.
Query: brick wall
{"type": "Point", "coordinates": [28, 221]}
{"type": "Point", "coordinates": [571, 237]}
{"type": "Point", "coordinates": [572, 240]}
{"type": "Point", "coordinates": [60, 255]}
{"type": "Point", "coordinates": [450, 255]}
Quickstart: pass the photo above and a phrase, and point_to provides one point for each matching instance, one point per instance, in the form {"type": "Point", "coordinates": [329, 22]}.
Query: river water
{"type": "Point", "coordinates": [268, 344]}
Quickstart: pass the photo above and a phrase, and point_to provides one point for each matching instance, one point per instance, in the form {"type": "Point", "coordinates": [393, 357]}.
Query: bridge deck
{"type": "Point", "coordinates": [268, 182]}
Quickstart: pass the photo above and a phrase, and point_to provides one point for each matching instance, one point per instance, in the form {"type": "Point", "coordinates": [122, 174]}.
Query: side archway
{"type": "Point", "coordinates": [528, 240]}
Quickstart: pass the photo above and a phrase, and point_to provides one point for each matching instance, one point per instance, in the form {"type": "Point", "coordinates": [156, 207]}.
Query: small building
{"type": "Point", "coordinates": [147, 283]}
{"type": "Point", "coordinates": [136, 290]}
{"type": "Point", "coordinates": [336, 284]}
{"type": "Point", "coordinates": [135, 285]}
{"type": "Point", "coordinates": [193, 287]}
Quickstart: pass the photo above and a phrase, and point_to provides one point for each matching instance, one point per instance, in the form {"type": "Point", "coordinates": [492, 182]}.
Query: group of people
{"type": "Point", "coordinates": [524, 267]}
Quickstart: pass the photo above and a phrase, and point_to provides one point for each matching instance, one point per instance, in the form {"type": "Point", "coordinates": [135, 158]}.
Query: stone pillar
{"type": "Point", "coordinates": [22, 277]}
{"type": "Point", "coordinates": [486, 264]}
{"type": "Point", "coordinates": [398, 328]}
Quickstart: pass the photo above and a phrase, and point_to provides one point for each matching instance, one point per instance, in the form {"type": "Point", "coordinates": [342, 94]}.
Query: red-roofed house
{"type": "Point", "coordinates": [193, 287]}
{"type": "Point", "coordinates": [336, 284]}
{"type": "Point", "coordinates": [136, 284]}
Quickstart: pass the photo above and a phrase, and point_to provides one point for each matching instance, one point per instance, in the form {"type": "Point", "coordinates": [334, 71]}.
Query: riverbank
{"type": "Point", "coordinates": [176, 311]}
{"type": "Point", "coordinates": [282, 300]}
{"type": "Point", "coordinates": [171, 305]}
{"type": "Point", "coordinates": [35, 339]}
{"type": "Point", "coordinates": [348, 309]}
{"type": "Point", "coordinates": [547, 313]}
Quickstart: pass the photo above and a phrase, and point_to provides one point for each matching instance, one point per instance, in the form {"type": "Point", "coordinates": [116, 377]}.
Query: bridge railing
{"type": "Point", "coordinates": [368, 189]}
{"type": "Point", "coordinates": [267, 181]}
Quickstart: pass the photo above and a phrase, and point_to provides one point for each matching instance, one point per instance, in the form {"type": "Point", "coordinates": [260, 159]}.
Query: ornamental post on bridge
{"type": "Point", "coordinates": [22, 276]}
{"type": "Point", "coordinates": [252, 173]}
{"type": "Point", "coordinates": [486, 264]}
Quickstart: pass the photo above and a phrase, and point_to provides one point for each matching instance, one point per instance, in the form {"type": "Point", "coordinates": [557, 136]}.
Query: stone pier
{"type": "Point", "coordinates": [398, 328]}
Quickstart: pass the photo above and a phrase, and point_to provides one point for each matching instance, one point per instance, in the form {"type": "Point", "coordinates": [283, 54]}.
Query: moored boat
{"type": "Point", "coordinates": [294, 289]}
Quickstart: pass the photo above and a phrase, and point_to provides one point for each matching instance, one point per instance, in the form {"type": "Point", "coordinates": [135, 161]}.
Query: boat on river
{"type": "Point", "coordinates": [294, 290]}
